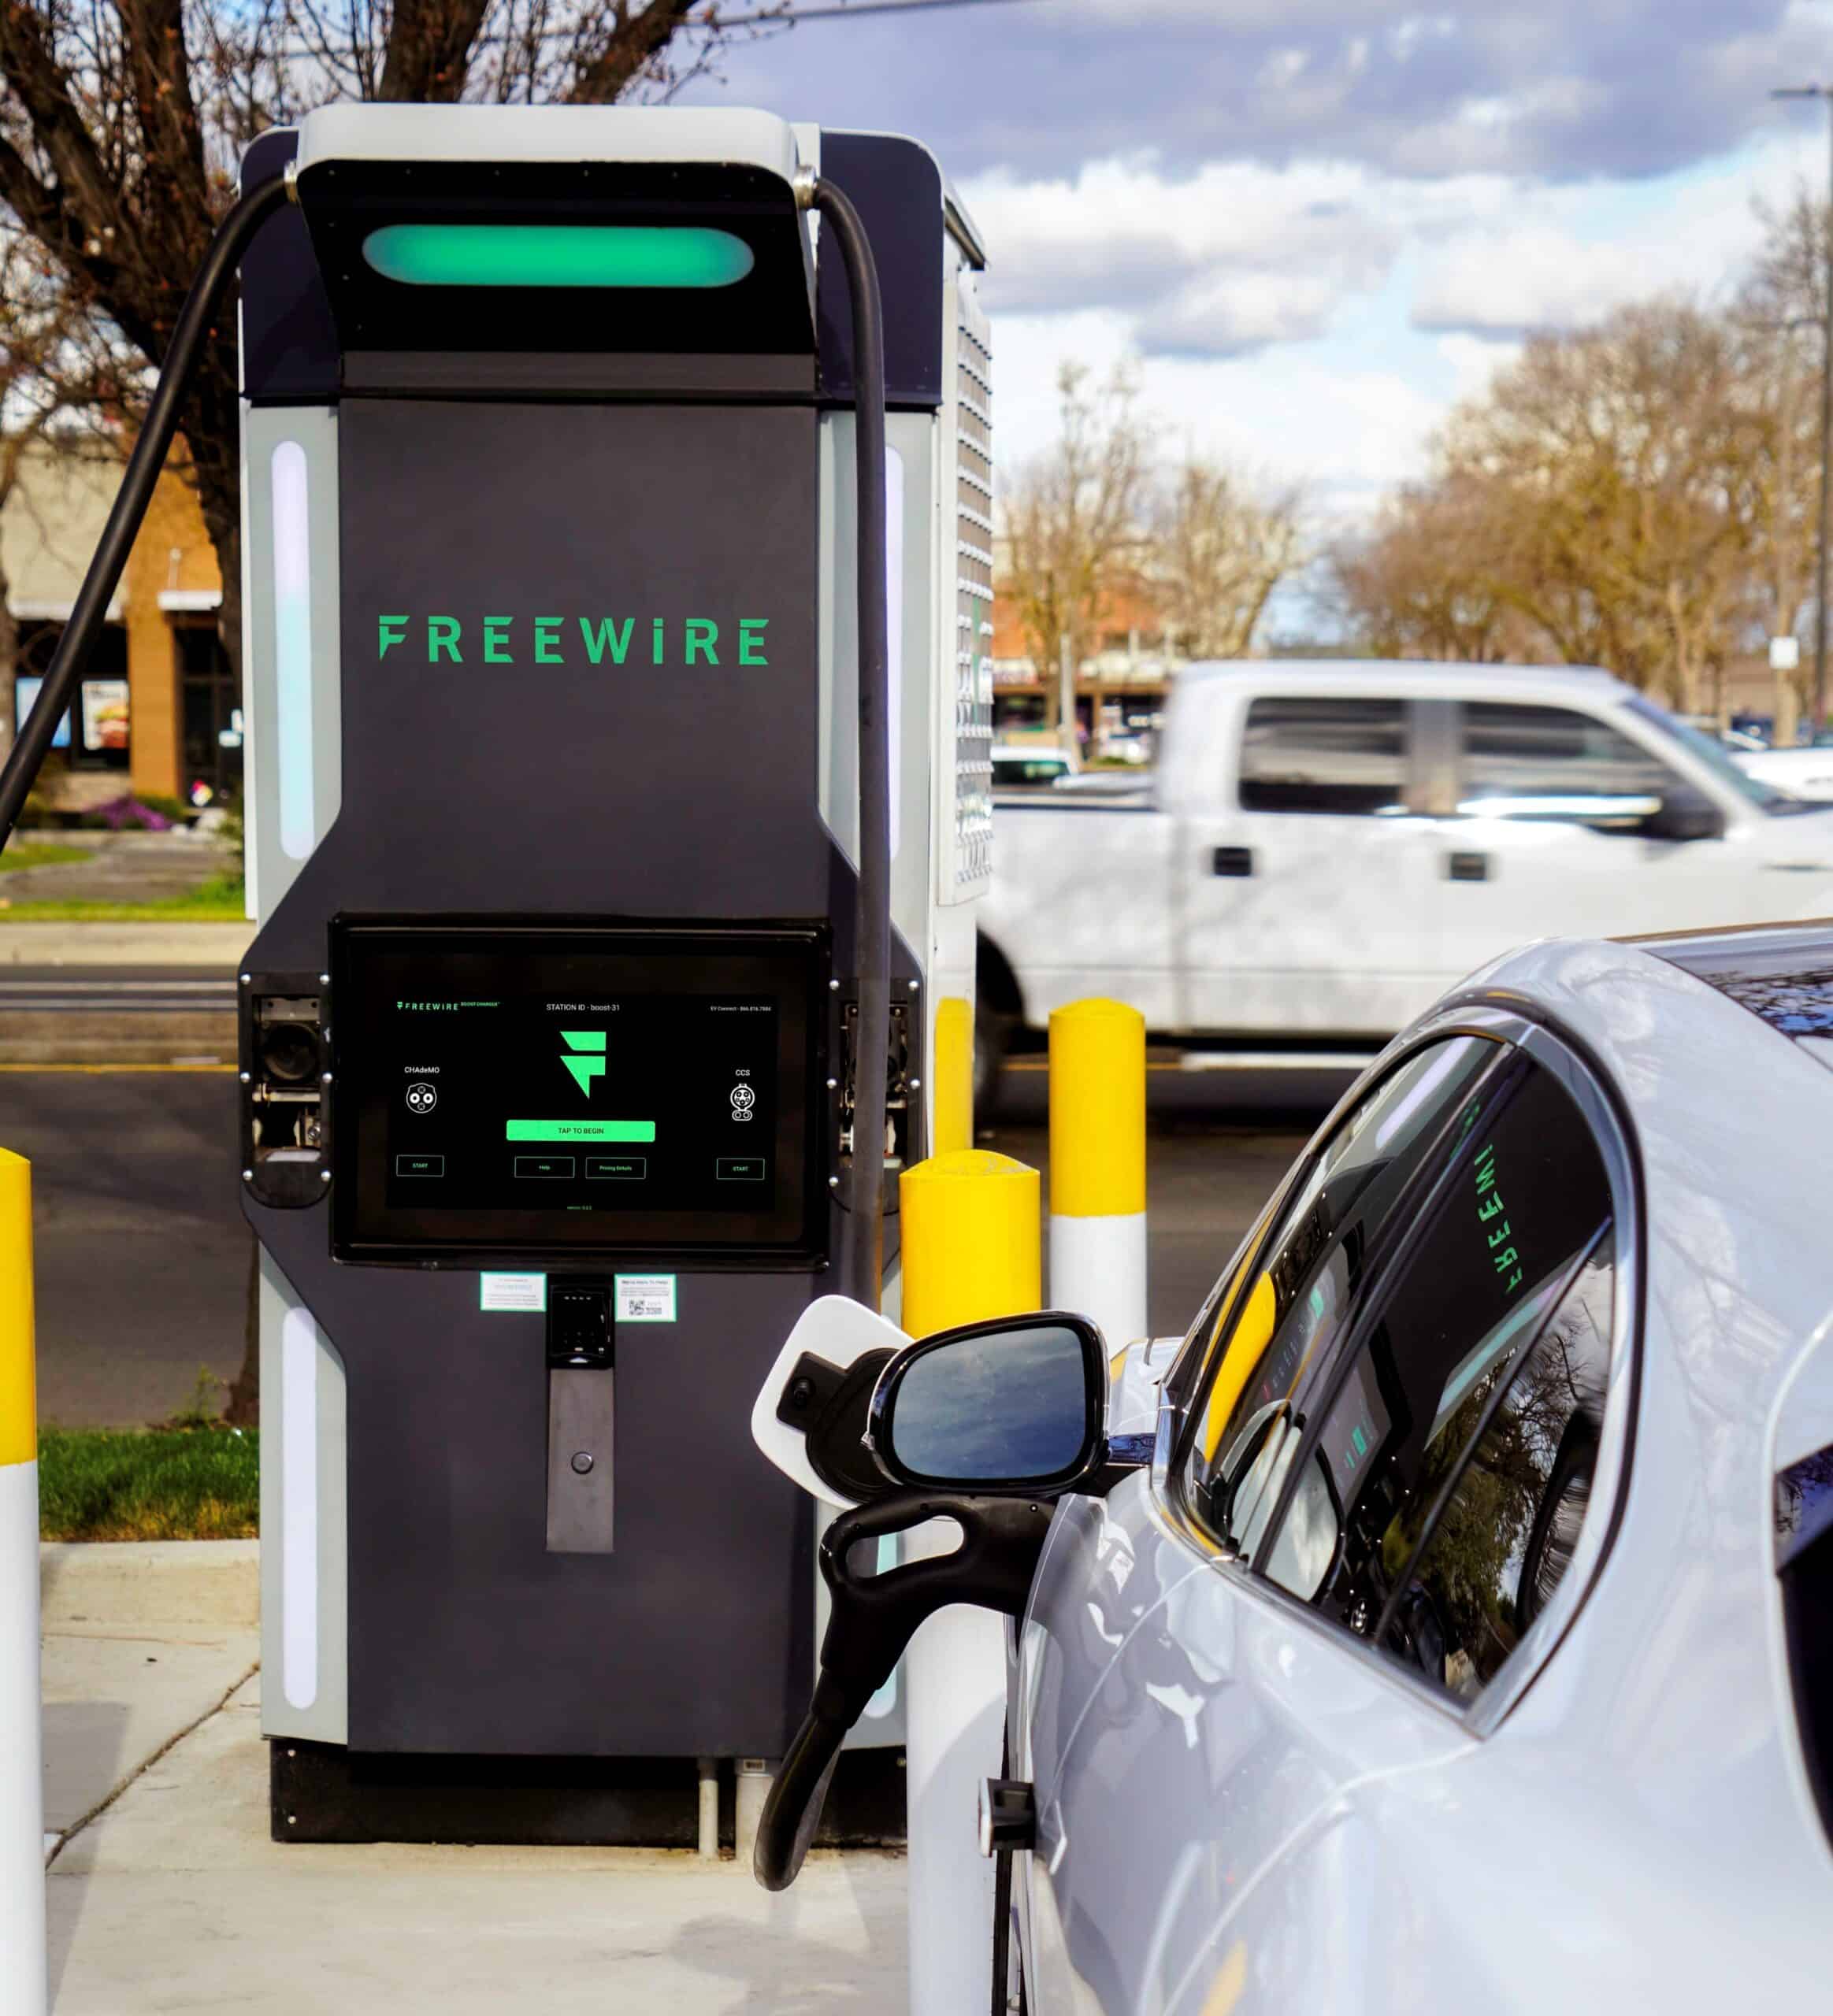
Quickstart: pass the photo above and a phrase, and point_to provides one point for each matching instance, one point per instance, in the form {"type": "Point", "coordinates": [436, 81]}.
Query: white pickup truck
{"type": "Point", "coordinates": [1326, 846]}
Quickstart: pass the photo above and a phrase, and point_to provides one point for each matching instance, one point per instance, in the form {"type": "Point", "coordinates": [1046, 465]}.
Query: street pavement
{"type": "Point", "coordinates": [82, 993]}
{"type": "Point", "coordinates": [143, 1254]}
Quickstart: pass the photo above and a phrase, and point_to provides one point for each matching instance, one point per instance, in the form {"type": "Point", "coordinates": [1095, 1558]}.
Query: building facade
{"type": "Point", "coordinates": [1120, 686]}
{"type": "Point", "coordinates": [157, 714]}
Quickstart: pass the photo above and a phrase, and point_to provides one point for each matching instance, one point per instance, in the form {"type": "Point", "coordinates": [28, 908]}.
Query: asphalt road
{"type": "Point", "coordinates": [141, 1249]}
{"type": "Point", "coordinates": [115, 990]}
{"type": "Point", "coordinates": [143, 1254]}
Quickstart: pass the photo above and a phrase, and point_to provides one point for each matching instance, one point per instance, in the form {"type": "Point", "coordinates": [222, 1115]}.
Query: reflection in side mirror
{"type": "Point", "coordinates": [1016, 1404]}
{"type": "Point", "coordinates": [1684, 813]}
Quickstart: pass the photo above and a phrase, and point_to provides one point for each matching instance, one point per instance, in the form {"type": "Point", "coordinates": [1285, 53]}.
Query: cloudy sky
{"type": "Point", "coordinates": [1315, 223]}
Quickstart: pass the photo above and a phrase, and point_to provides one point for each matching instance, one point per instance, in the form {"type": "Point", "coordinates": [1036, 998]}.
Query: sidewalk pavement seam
{"type": "Point", "coordinates": [146, 1764]}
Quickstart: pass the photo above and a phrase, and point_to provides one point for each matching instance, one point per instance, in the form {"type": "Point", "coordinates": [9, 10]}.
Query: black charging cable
{"type": "Point", "coordinates": [863, 1227]}
{"type": "Point", "coordinates": [20, 773]}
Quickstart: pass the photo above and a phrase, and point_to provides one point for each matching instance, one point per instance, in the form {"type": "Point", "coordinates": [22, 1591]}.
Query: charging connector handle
{"type": "Point", "coordinates": [863, 1265]}
{"type": "Point", "coordinates": [21, 770]}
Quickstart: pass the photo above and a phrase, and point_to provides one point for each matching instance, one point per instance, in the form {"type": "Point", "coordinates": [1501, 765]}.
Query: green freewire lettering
{"type": "Point", "coordinates": [692, 642]}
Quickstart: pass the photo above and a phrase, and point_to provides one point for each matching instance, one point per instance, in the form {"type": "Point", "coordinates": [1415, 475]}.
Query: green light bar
{"type": "Point", "coordinates": [558, 255]}
{"type": "Point", "coordinates": [579, 1130]}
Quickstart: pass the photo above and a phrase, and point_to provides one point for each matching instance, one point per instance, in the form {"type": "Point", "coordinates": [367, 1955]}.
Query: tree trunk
{"type": "Point", "coordinates": [243, 1407]}
{"type": "Point", "coordinates": [1788, 719]}
{"type": "Point", "coordinates": [9, 666]}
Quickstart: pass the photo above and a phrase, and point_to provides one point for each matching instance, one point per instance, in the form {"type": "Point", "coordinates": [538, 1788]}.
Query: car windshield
{"type": "Point", "coordinates": [1712, 753]}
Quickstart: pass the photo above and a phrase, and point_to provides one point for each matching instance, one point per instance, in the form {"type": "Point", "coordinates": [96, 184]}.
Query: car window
{"type": "Point", "coordinates": [1492, 1557]}
{"type": "Point", "coordinates": [1495, 1269]}
{"type": "Point", "coordinates": [1315, 754]}
{"type": "Point", "coordinates": [1526, 762]}
{"type": "Point", "coordinates": [1270, 1328]}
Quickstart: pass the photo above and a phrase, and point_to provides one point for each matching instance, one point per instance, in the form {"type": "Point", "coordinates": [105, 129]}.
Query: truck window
{"type": "Point", "coordinates": [1315, 753]}
{"type": "Point", "coordinates": [1526, 762]}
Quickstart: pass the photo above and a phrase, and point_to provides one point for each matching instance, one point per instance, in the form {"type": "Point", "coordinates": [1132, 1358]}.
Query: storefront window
{"type": "Point", "coordinates": [95, 734]}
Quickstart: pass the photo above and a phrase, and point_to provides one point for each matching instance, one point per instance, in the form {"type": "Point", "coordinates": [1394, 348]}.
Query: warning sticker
{"type": "Point", "coordinates": [646, 1298]}
{"type": "Point", "coordinates": [525, 1293]}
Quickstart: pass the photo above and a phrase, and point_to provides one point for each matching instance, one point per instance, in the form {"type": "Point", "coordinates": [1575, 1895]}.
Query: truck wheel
{"type": "Point", "coordinates": [993, 1030]}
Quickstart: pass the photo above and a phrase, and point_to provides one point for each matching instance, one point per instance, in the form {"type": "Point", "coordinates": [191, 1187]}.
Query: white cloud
{"type": "Point", "coordinates": [1557, 263]}
{"type": "Point", "coordinates": [1317, 320]}
{"type": "Point", "coordinates": [1232, 257]}
{"type": "Point", "coordinates": [1344, 434]}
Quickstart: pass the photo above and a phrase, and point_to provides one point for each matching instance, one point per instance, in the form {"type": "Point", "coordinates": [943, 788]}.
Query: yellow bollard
{"type": "Point", "coordinates": [970, 1239]}
{"type": "Point", "coordinates": [22, 1853]}
{"type": "Point", "coordinates": [1097, 1166]}
{"type": "Point", "coordinates": [951, 1076]}
{"type": "Point", "coordinates": [971, 1251]}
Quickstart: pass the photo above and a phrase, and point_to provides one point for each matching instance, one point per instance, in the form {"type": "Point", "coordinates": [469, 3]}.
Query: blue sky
{"type": "Point", "coordinates": [1311, 224]}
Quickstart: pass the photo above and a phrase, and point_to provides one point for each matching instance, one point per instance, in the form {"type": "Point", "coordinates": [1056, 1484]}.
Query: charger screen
{"type": "Point", "coordinates": [633, 1090]}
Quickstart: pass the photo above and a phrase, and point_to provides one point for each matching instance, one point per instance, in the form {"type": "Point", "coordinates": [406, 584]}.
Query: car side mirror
{"type": "Point", "coordinates": [1018, 1404]}
{"type": "Point", "coordinates": [1685, 813]}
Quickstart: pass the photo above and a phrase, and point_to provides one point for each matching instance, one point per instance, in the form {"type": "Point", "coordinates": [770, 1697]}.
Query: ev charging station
{"type": "Point", "coordinates": [562, 1028]}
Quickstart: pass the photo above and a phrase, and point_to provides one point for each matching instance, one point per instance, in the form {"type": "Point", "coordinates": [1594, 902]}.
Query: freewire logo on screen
{"type": "Point", "coordinates": [585, 1068]}
{"type": "Point", "coordinates": [576, 640]}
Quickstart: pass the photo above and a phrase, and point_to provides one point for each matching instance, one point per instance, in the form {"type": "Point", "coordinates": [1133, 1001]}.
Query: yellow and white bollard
{"type": "Point", "coordinates": [970, 1251]}
{"type": "Point", "coordinates": [1097, 1166]}
{"type": "Point", "coordinates": [22, 1844]}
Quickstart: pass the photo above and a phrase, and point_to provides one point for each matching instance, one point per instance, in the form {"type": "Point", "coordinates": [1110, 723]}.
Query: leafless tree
{"type": "Point", "coordinates": [1427, 581]}
{"type": "Point", "coordinates": [1073, 520]}
{"type": "Point", "coordinates": [1612, 500]}
{"type": "Point", "coordinates": [1217, 551]}
{"type": "Point", "coordinates": [1782, 312]}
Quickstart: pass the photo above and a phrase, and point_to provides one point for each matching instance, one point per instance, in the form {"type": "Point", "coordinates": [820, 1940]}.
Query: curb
{"type": "Point", "coordinates": [125, 1583]}
{"type": "Point", "coordinates": [123, 944]}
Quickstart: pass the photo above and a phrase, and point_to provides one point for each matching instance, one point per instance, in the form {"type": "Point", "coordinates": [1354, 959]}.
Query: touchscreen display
{"type": "Point", "coordinates": [628, 1089]}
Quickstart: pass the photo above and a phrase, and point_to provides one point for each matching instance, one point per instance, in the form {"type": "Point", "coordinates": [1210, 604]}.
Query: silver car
{"type": "Point", "coordinates": [1466, 1640]}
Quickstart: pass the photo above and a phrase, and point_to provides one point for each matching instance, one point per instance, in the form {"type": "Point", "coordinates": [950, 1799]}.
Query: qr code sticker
{"type": "Point", "coordinates": [646, 1298]}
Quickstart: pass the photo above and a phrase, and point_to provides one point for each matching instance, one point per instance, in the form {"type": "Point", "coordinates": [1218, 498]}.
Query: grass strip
{"type": "Point", "coordinates": [40, 853]}
{"type": "Point", "coordinates": [217, 901]}
{"type": "Point", "coordinates": [149, 1485]}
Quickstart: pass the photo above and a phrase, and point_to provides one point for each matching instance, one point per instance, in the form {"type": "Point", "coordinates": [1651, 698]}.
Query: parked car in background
{"type": "Point", "coordinates": [1018, 765]}
{"type": "Point", "coordinates": [1324, 847]}
{"type": "Point", "coordinates": [1805, 772]}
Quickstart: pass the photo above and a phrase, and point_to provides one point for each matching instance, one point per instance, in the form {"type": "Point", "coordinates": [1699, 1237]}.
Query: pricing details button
{"type": "Point", "coordinates": [616, 1168]}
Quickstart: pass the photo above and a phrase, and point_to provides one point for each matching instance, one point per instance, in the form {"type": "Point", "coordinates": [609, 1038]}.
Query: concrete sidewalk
{"type": "Point", "coordinates": [171, 1896]}
{"type": "Point", "coordinates": [156, 943]}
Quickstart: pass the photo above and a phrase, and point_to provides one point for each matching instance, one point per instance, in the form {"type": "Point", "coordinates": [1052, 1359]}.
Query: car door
{"type": "Point", "coordinates": [1305, 886]}
{"type": "Point", "coordinates": [1131, 1637]}
{"type": "Point", "coordinates": [1549, 836]}
{"type": "Point", "coordinates": [1222, 1660]}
